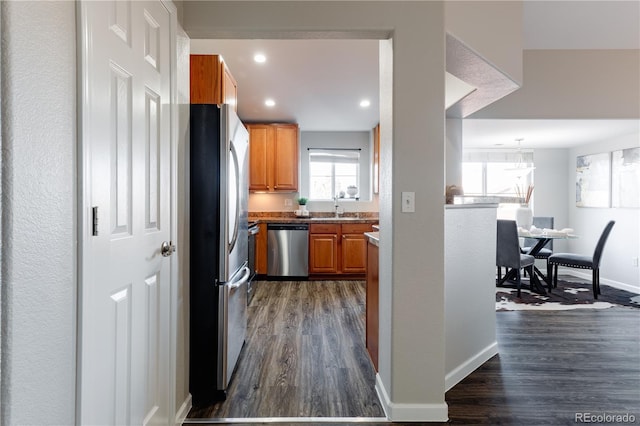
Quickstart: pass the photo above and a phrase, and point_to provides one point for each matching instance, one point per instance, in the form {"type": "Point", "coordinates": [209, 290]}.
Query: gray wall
{"type": "Point", "coordinates": [624, 241]}
{"type": "Point", "coordinates": [554, 195]}
{"type": "Point", "coordinates": [567, 84]}
{"type": "Point", "coordinates": [39, 213]}
{"type": "Point", "coordinates": [550, 198]}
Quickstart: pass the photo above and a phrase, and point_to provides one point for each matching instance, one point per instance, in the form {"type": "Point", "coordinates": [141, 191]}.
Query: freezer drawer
{"type": "Point", "coordinates": [288, 250]}
{"type": "Point", "coordinates": [232, 323]}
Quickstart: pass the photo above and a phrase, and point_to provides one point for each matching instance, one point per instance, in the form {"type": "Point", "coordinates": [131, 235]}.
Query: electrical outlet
{"type": "Point", "coordinates": [634, 261]}
{"type": "Point", "coordinates": [288, 202]}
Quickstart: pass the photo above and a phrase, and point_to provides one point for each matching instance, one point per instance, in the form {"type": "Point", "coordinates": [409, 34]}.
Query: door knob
{"type": "Point", "coordinates": [167, 248]}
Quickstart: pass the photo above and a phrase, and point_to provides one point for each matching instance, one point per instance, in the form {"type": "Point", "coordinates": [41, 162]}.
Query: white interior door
{"type": "Point", "coordinates": [125, 280]}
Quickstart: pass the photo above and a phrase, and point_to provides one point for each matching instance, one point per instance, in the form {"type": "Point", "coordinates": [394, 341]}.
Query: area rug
{"type": "Point", "coordinates": [571, 293]}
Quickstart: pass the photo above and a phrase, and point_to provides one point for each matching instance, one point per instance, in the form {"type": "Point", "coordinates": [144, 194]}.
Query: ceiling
{"type": "Point", "coordinates": [319, 84]}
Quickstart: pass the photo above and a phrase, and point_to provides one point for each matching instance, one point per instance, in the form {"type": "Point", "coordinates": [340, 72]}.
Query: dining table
{"type": "Point", "coordinates": [542, 238]}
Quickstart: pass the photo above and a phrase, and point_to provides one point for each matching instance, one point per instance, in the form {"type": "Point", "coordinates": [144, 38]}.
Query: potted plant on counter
{"type": "Point", "coordinates": [302, 202]}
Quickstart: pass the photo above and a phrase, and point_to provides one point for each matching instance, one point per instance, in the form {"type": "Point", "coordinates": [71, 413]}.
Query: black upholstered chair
{"type": "Point", "coordinates": [581, 261]}
{"type": "Point", "coordinates": [508, 254]}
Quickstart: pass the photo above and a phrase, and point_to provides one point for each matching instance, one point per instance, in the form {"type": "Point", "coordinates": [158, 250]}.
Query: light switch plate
{"type": "Point", "coordinates": [408, 202]}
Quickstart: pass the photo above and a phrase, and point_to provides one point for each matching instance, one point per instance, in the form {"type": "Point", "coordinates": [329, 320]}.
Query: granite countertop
{"type": "Point", "coordinates": [314, 217]}
{"type": "Point", "coordinates": [373, 237]}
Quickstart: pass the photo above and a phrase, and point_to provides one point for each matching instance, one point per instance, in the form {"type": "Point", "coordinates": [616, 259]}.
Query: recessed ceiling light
{"type": "Point", "coordinates": [270, 102]}
{"type": "Point", "coordinates": [365, 103]}
{"type": "Point", "coordinates": [259, 58]}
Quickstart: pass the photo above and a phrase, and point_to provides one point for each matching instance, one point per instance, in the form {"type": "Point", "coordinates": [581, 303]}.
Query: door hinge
{"type": "Point", "coordinates": [94, 226]}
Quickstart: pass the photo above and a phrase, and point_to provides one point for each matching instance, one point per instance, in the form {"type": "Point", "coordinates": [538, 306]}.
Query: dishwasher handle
{"type": "Point", "coordinates": [287, 227]}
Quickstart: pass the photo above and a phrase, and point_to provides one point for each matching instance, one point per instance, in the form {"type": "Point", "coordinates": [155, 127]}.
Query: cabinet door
{"type": "Point", "coordinates": [229, 88]}
{"type": "Point", "coordinates": [286, 158]}
{"type": "Point", "coordinates": [261, 250]}
{"type": "Point", "coordinates": [323, 253]}
{"type": "Point", "coordinates": [372, 303]}
{"type": "Point", "coordinates": [211, 81]}
{"type": "Point", "coordinates": [354, 253]}
{"type": "Point", "coordinates": [258, 157]}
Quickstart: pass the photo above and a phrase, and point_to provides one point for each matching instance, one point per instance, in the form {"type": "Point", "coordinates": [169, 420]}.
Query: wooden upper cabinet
{"type": "Point", "coordinates": [376, 159]}
{"type": "Point", "coordinates": [212, 82]}
{"type": "Point", "coordinates": [286, 158]}
{"type": "Point", "coordinates": [273, 157]}
{"type": "Point", "coordinates": [258, 157]}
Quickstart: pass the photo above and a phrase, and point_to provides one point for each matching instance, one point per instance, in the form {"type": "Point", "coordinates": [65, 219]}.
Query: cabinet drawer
{"type": "Point", "coordinates": [324, 228]}
{"type": "Point", "coordinates": [356, 228]}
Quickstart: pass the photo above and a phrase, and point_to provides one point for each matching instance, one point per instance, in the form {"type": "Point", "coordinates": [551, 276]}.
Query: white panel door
{"type": "Point", "coordinates": [125, 280]}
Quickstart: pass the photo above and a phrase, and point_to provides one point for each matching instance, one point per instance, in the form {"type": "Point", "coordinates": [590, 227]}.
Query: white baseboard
{"type": "Point", "coordinates": [183, 411]}
{"type": "Point", "coordinates": [587, 276]}
{"type": "Point", "coordinates": [410, 412]}
{"type": "Point", "coordinates": [469, 366]}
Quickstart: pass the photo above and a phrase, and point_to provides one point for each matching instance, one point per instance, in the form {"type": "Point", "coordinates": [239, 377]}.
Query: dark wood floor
{"type": "Point", "coordinates": [551, 365]}
{"type": "Point", "coordinates": [304, 355]}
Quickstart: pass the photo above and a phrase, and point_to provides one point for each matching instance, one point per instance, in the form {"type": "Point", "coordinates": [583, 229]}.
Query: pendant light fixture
{"type": "Point", "coordinates": [521, 169]}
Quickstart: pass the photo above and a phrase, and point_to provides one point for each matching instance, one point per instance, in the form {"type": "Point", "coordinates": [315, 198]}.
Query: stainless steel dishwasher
{"type": "Point", "coordinates": [288, 250]}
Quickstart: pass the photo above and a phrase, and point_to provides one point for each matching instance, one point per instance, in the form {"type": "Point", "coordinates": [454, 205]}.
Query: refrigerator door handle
{"type": "Point", "coordinates": [236, 170]}
{"type": "Point", "coordinates": [241, 281]}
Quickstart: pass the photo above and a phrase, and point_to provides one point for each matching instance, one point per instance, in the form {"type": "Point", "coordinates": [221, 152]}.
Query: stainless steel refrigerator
{"type": "Point", "coordinates": [218, 235]}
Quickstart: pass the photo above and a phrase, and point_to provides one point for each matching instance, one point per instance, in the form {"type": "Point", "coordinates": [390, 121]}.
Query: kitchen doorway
{"type": "Point", "coordinates": [305, 355]}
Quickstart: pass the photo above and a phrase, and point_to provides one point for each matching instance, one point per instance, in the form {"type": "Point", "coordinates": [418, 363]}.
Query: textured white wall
{"type": "Point", "coordinates": [39, 213]}
{"type": "Point", "coordinates": [468, 21]}
{"type": "Point", "coordinates": [624, 241]}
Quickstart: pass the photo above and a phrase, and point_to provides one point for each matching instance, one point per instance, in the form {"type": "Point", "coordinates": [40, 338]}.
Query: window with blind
{"type": "Point", "coordinates": [497, 173]}
{"type": "Point", "coordinates": [331, 171]}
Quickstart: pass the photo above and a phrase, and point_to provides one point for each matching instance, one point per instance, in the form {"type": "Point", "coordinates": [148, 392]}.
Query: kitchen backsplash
{"type": "Point", "coordinates": [287, 203]}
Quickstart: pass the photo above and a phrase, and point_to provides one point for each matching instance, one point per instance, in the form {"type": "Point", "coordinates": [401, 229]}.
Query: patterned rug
{"type": "Point", "coordinates": [571, 293]}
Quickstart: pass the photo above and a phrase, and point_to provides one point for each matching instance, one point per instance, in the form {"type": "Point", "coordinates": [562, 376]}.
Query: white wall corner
{"type": "Point", "coordinates": [183, 411]}
{"type": "Point", "coordinates": [399, 412]}
{"type": "Point", "coordinates": [469, 366]}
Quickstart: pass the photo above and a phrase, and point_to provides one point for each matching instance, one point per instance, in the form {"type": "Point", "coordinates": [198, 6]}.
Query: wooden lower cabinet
{"type": "Point", "coordinates": [354, 251]}
{"type": "Point", "coordinates": [338, 249]}
{"type": "Point", "coordinates": [323, 254]}
{"type": "Point", "coordinates": [372, 314]}
{"type": "Point", "coordinates": [261, 250]}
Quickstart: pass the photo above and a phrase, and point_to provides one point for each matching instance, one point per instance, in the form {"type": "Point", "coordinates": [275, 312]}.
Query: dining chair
{"type": "Point", "coordinates": [581, 261]}
{"type": "Point", "coordinates": [540, 222]}
{"type": "Point", "coordinates": [508, 254]}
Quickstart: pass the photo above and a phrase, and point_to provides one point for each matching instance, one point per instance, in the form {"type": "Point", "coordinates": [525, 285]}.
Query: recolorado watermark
{"type": "Point", "coordinates": [615, 418]}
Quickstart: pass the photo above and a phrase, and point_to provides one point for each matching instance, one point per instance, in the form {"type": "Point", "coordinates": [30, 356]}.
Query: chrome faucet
{"type": "Point", "coordinates": [336, 207]}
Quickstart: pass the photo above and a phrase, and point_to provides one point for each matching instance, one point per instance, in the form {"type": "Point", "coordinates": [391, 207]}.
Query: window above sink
{"type": "Point", "coordinates": [332, 162]}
